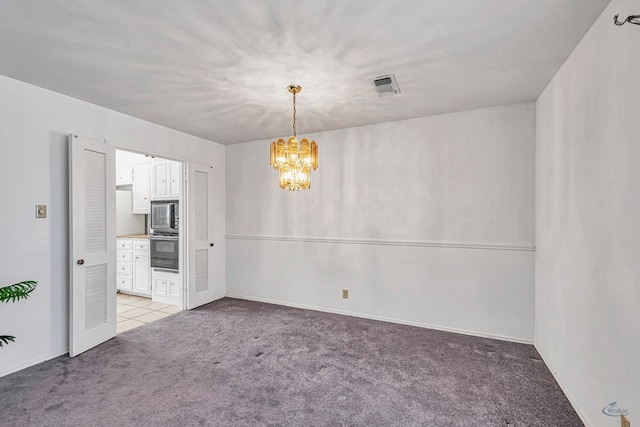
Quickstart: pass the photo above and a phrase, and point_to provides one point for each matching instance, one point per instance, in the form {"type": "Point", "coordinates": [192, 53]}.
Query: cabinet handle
{"type": "Point", "coordinates": [80, 261]}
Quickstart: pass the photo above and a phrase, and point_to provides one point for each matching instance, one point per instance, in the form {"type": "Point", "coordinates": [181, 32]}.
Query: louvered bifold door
{"type": "Point", "coordinates": [200, 242]}
{"type": "Point", "coordinates": [92, 243]}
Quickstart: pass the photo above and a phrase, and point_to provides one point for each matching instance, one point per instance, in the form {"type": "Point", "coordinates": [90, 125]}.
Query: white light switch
{"type": "Point", "coordinates": [41, 211]}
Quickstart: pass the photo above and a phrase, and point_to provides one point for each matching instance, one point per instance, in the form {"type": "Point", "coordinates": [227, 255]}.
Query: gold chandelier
{"type": "Point", "coordinates": [292, 159]}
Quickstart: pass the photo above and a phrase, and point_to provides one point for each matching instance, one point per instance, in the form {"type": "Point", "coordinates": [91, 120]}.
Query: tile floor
{"type": "Point", "coordinates": [134, 311]}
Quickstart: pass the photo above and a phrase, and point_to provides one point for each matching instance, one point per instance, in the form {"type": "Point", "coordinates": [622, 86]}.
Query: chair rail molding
{"type": "Point", "coordinates": [387, 242]}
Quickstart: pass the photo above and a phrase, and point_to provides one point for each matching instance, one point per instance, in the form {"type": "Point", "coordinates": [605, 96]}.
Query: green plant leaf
{"type": "Point", "coordinates": [18, 291]}
{"type": "Point", "coordinates": [6, 339]}
{"type": "Point", "coordinates": [14, 293]}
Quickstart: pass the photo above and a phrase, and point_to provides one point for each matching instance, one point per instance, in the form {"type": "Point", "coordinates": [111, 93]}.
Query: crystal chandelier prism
{"type": "Point", "coordinates": [292, 159]}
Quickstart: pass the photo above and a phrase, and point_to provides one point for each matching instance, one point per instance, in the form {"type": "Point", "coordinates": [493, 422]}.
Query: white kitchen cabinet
{"type": "Point", "coordinates": [165, 179]}
{"type": "Point", "coordinates": [159, 172]}
{"type": "Point", "coordinates": [124, 175]}
{"type": "Point", "coordinates": [174, 179]}
{"type": "Point", "coordinates": [141, 192]}
{"type": "Point", "coordinates": [133, 267]}
{"type": "Point", "coordinates": [124, 268]}
{"type": "Point", "coordinates": [174, 287]}
{"type": "Point", "coordinates": [159, 285]}
{"type": "Point", "coordinates": [141, 268]}
{"type": "Point", "coordinates": [166, 286]}
{"type": "Point", "coordinates": [124, 283]}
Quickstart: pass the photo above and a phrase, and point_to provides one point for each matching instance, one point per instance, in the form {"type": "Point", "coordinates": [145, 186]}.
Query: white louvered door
{"type": "Point", "coordinates": [92, 243]}
{"type": "Point", "coordinates": [200, 225]}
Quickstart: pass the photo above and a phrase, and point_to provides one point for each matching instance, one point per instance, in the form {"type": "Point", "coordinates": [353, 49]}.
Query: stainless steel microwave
{"type": "Point", "coordinates": [164, 217]}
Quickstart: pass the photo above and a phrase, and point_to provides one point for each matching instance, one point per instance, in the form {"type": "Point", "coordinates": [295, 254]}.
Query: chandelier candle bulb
{"type": "Point", "coordinates": [294, 160]}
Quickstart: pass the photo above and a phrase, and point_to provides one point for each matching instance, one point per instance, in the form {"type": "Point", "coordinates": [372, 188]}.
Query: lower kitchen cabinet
{"type": "Point", "coordinates": [134, 267]}
{"type": "Point", "coordinates": [166, 286]}
{"type": "Point", "coordinates": [141, 268]}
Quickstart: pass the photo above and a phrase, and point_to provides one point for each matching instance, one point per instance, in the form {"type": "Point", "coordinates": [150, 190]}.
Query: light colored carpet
{"type": "Point", "coordinates": [240, 363]}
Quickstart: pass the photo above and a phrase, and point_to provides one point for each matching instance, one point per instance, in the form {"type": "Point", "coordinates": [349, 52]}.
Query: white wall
{"type": "Point", "coordinates": [34, 124]}
{"type": "Point", "coordinates": [588, 220]}
{"type": "Point", "coordinates": [126, 222]}
{"type": "Point", "coordinates": [427, 221]}
{"type": "Point", "coordinates": [127, 158]}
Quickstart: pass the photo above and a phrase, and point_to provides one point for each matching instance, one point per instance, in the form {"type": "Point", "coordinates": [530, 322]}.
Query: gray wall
{"type": "Point", "coordinates": [427, 221]}
{"type": "Point", "coordinates": [588, 220]}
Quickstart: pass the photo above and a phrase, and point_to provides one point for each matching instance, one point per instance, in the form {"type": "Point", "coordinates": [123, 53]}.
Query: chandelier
{"type": "Point", "coordinates": [292, 159]}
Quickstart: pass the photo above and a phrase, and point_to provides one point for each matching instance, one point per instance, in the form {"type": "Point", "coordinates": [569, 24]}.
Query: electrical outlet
{"type": "Point", "coordinates": [624, 421]}
{"type": "Point", "coordinates": [345, 293]}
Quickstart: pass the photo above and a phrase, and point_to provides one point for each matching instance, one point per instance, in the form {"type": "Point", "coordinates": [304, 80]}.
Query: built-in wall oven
{"type": "Point", "coordinates": [164, 217]}
{"type": "Point", "coordinates": [164, 252]}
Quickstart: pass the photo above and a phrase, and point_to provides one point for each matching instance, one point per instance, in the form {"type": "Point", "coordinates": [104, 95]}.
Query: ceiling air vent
{"type": "Point", "coordinates": [386, 85]}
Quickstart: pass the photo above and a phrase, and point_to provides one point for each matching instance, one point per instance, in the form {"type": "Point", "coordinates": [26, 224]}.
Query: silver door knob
{"type": "Point", "coordinates": [80, 261]}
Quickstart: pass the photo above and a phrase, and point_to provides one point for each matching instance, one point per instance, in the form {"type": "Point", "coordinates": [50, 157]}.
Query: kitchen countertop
{"type": "Point", "coordinates": [134, 236]}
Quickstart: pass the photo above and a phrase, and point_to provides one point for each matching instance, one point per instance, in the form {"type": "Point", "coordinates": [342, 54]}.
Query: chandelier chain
{"type": "Point", "coordinates": [294, 114]}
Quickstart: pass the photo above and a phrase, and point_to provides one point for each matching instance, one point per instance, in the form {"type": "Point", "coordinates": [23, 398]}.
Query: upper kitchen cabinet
{"type": "Point", "coordinates": [165, 179]}
{"type": "Point", "coordinates": [141, 195]}
{"type": "Point", "coordinates": [124, 175]}
{"type": "Point", "coordinates": [126, 162]}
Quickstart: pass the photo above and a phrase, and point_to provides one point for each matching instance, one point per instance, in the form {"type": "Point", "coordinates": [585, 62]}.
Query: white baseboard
{"type": "Point", "coordinates": [215, 298]}
{"type": "Point", "coordinates": [581, 415]}
{"type": "Point", "coordinates": [33, 362]}
{"type": "Point", "coordinates": [385, 319]}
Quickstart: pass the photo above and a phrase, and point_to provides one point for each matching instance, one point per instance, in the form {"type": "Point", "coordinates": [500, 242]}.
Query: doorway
{"type": "Point", "coordinates": [94, 251]}
{"type": "Point", "coordinates": [149, 199]}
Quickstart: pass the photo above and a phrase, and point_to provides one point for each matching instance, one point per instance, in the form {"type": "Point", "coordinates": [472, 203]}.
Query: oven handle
{"type": "Point", "coordinates": [165, 270]}
{"type": "Point", "coordinates": [152, 237]}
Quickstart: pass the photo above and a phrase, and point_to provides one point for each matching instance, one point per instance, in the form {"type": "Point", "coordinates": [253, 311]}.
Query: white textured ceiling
{"type": "Point", "coordinates": [219, 69]}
